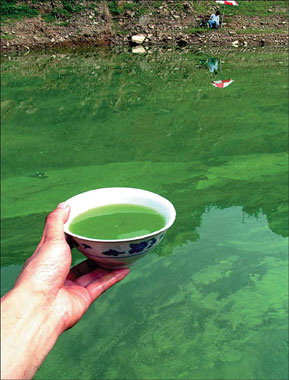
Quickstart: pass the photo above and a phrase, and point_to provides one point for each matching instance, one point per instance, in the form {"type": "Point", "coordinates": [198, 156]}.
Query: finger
{"type": "Point", "coordinates": [96, 288]}
{"type": "Point", "coordinates": [88, 278]}
{"type": "Point", "coordinates": [53, 229]}
{"type": "Point", "coordinates": [81, 269]}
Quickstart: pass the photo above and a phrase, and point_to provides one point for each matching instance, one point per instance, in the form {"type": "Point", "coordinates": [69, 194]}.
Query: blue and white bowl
{"type": "Point", "coordinates": [119, 253]}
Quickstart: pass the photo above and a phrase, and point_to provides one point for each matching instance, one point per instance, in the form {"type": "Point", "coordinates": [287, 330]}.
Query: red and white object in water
{"type": "Point", "coordinates": [222, 83]}
{"type": "Point", "coordinates": [227, 2]}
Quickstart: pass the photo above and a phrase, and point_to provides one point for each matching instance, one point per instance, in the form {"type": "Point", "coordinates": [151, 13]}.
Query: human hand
{"type": "Point", "coordinates": [48, 298]}
{"type": "Point", "coordinates": [47, 273]}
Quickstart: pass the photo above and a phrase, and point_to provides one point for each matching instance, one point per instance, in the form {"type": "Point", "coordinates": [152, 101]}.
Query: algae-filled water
{"type": "Point", "coordinates": [211, 301]}
{"type": "Point", "coordinates": [117, 221]}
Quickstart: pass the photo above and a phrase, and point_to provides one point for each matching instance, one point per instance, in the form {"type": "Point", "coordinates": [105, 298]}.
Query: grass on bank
{"type": "Point", "coordinates": [248, 8]}
{"type": "Point", "coordinates": [260, 31]}
{"type": "Point", "coordinates": [11, 10]}
{"type": "Point", "coordinates": [7, 37]}
{"type": "Point", "coordinates": [15, 10]}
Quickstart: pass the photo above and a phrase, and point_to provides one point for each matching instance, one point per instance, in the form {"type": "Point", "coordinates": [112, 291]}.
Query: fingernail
{"type": "Point", "coordinates": [62, 205]}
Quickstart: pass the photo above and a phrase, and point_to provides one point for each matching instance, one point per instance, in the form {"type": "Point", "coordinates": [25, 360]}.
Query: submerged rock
{"type": "Point", "coordinates": [138, 50]}
{"type": "Point", "coordinates": [39, 175]}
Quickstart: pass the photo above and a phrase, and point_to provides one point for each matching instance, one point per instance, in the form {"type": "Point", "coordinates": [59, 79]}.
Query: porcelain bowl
{"type": "Point", "coordinates": [120, 253]}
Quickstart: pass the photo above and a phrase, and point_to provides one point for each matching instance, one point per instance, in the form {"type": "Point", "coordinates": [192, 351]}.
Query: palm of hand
{"type": "Point", "coordinates": [84, 283]}
{"type": "Point", "coordinates": [69, 292]}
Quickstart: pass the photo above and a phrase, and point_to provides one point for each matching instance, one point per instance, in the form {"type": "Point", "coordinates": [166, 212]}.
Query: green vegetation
{"type": "Point", "coordinates": [48, 17]}
{"type": "Point", "coordinates": [260, 31]}
{"type": "Point", "coordinates": [137, 7]}
{"type": "Point", "coordinates": [7, 37]}
{"type": "Point", "coordinates": [247, 8]}
{"type": "Point", "coordinates": [258, 8]}
{"type": "Point", "coordinates": [121, 31]}
{"type": "Point", "coordinates": [117, 9]}
{"type": "Point", "coordinates": [65, 12]}
{"type": "Point", "coordinates": [12, 10]}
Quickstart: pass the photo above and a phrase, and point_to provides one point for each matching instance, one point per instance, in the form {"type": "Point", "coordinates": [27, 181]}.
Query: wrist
{"type": "Point", "coordinates": [29, 332]}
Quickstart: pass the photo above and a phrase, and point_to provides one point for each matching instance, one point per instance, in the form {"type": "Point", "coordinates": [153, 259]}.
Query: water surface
{"type": "Point", "coordinates": [211, 301]}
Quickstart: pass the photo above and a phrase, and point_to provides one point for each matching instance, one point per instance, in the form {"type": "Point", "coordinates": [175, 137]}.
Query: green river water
{"type": "Point", "coordinates": [211, 302]}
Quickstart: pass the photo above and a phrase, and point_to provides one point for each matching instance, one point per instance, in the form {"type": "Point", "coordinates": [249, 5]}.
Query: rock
{"type": "Point", "coordinates": [129, 13]}
{"type": "Point", "coordinates": [186, 7]}
{"type": "Point", "coordinates": [243, 27]}
{"type": "Point", "coordinates": [182, 42]}
{"type": "Point", "coordinates": [52, 40]}
{"type": "Point", "coordinates": [86, 32]}
{"type": "Point", "coordinates": [245, 43]}
{"type": "Point", "coordinates": [39, 175]}
{"type": "Point", "coordinates": [138, 50]}
{"type": "Point", "coordinates": [144, 20]}
{"type": "Point", "coordinates": [235, 43]}
{"type": "Point", "coordinates": [138, 39]}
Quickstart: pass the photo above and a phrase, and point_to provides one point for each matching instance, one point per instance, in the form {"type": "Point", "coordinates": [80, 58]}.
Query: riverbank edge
{"type": "Point", "coordinates": [181, 40]}
{"type": "Point", "coordinates": [166, 25]}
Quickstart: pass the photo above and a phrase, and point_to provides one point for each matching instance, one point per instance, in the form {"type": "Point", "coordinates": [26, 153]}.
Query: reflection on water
{"type": "Point", "coordinates": [213, 65]}
{"type": "Point", "coordinates": [211, 301]}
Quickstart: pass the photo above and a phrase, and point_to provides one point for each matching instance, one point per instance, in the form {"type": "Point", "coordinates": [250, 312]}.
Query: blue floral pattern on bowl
{"type": "Point", "coordinates": [115, 254]}
{"type": "Point", "coordinates": [112, 252]}
{"type": "Point", "coordinates": [137, 248]}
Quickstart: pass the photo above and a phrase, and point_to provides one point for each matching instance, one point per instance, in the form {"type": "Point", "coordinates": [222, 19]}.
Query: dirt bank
{"type": "Point", "coordinates": [168, 23]}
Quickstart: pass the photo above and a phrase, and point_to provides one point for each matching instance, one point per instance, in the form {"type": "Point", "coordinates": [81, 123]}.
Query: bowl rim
{"type": "Point", "coordinates": [141, 237]}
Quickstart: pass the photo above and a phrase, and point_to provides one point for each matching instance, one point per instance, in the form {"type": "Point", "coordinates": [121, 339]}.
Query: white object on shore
{"type": "Point", "coordinates": [138, 39]}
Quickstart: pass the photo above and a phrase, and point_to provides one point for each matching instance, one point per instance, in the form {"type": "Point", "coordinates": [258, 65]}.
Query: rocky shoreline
{"type": "Point", "coordinates": [160, 27]}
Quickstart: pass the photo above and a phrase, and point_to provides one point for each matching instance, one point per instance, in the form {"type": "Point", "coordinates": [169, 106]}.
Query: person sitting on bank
{"type": "Point", "coordinates": [214, 21]}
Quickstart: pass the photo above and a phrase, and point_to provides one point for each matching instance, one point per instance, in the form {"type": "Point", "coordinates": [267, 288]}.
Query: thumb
{"type": "Point", "coordinates": [47, 268]}
{"type": "Point", "coordinates": [53, 230]}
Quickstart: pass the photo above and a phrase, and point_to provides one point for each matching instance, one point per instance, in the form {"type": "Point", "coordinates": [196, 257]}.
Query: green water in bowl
{"type": "Point", "coordinates": [211, 301]}
{"type": "Point", "coordinates": [118, 221]}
